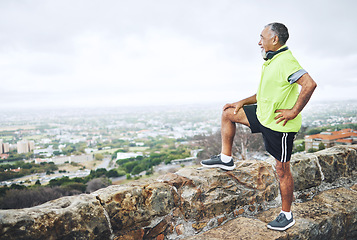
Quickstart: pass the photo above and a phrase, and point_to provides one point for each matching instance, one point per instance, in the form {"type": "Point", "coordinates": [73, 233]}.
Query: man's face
{"type": "Point", "coordinates": [267, 40]}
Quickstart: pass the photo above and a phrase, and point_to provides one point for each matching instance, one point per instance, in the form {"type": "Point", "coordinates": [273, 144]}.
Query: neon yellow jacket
{"type": "Point", "coordinates": [276, 92]}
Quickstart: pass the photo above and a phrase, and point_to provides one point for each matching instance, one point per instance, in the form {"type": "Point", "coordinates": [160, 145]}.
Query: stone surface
{"type": "Point", "coordinates": [310, 170]}
{"type": "Point", "coordinates": [193, 201]}
{"type": "Point", "coordinates": [76, 217]}
{"type": "Point", "coordinates": [211, 192]}
{"type": "Point", "coordinates": [130, 207]}
{"type": "Point", "coordinates": [180, 229]}
{"type": "Point", "coordinates": [337, 162]}
{"type": "Point", "coordinates": [239, 228]}
{"type": "Point", "coordinates": [330, 215]}
{"type": "Point", "coordinates": [132, 235]}
{"type": "Point", "coordinates": [306, 171]}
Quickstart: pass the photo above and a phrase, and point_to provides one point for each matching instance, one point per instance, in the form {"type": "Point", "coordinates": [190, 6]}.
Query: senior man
{"type": "Point", "coordinates": [273, 111]}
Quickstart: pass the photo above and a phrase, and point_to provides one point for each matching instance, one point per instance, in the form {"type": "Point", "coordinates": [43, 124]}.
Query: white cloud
{"type": "Point", "coordinates": [55, 53]}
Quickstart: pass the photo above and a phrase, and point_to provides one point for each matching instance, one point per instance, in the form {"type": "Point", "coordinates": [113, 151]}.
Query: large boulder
{"type": "Point", "coordinates": [330, 215]}
{"type": "Point", "coordinates": [337, 162]}
{"type": "Point", "coordinates": [75, 217]}
{"type": "Point", "coordinates": [130, 207]}
{"type": "Point", "coordinates": [207, 193]}
{"type": "Point", "coordinates": [306, 171]}
{"type": "Point", "coordinates": [194, 200]}
{"type": "Point", "coordinates": [312, 169]}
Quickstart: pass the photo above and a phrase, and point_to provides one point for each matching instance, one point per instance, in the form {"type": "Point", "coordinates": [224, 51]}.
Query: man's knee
{"type": "Point", "coordinates": [239, 117]}
{"type": "Point", "coordinates": [282, 169]}
{"type": "Point", "coordinates": [227, 114]}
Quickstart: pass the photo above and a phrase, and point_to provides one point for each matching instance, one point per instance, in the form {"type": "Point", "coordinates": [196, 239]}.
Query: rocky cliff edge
{"type": "Point", "coordinates": [205, 204]}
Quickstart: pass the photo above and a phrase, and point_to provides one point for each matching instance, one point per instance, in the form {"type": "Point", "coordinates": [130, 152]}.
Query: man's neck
{"type": "Point", "coordinates": [277, 47]}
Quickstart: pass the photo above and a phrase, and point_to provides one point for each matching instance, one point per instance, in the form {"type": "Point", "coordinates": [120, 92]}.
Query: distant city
{"type": "Point", "coordinates": [330, 113]}
{"type": "Point", "coordinates": [45, 135]}
{"type": "Point", "coordinates": [44, 132]}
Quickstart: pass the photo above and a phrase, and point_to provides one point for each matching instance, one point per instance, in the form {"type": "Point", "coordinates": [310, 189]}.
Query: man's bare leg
{"type": "Point", "coordinates": [286, 184]}
{"type": "Point", "coordinates": [228, 127]}
{"type": "Point", "coordinates": [285, 218]}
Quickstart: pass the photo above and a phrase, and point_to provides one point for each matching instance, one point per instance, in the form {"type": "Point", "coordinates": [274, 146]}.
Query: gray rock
{"type": "Point", "coordinates": [330, 215]}
{"type": "Point", "coordinates": [75, 217]}
{"type": "Point", "coordinates": [197, 200]}
{"type": "Point", "coordinates": [306, 171]}
{"type": "Point", "coordinates": [337, 162]}
{"type": "Point", "coordinates": [212, 192]}
{"type": "Point", "coordinates": [131, 207]}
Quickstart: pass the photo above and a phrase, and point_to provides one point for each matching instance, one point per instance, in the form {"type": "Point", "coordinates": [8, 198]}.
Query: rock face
{"type": "Point", "coordinates": [330, 215]}
{"type": "Point", "coordinates": [193, 201]}
{"type": "Point", "coordinates": [310, 170]}
{"type": "Point", "coordinates": [208, 193]}
{"type": "Point", "coordinates": [133, 207]}
{"type": "Point", "coordinates": [76, 217]}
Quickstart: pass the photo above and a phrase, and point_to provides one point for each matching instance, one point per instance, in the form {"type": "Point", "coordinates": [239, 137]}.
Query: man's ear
{"type": "Point", "coordinates": [275, 40]}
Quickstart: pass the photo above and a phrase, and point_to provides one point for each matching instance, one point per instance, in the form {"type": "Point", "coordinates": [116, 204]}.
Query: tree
{"type": "Point", "coordinates": [299, 148]}
{"type": "Point", "coordinates": [129, 166]}
{"type": "Point", "coordinates": [321, 146]}
{"type": "Point", "coordinates": [98, 156]}
{"type": "Point", "coordinates": [244, 141]}
{"type": "Point", "coordinates": [100, 172]}
{"type": "Point", "coordinates": [311, 150]}
{"type": "Point", "coordinates": [112, 173]}
{"type": "Point", "coordinates": [150, 171]}
{"type": "Point", "coordinates": [136, 170]}
{"type": "Point", "coordinates": [57, 153]}
{"type": "Point", "coordinates": [97, 183]}
{"type": "Point", "coordinates": [16, 198]}
{"type": "Point", "coordinates": [81, 187]}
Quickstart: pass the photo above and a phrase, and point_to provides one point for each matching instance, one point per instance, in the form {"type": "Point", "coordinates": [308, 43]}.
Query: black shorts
{"type": "Point", "coordinates": [278, 144]}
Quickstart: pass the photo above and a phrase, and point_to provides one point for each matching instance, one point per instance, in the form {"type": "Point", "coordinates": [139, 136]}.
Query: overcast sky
{"type": "Point", "coordinates": [108, 53]}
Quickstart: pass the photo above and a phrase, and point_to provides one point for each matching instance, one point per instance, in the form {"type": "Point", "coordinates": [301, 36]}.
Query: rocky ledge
{"type": "Point", "coordinates": [332, 214]}
{"type": "Point", "coordinates": [205, 204]}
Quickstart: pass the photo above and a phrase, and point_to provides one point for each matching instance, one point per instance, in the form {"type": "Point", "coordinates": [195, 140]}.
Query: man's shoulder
{"type": "Point", "coordinates": [286, 60]}
{"type": "Point", "coordinates": [286, 55]}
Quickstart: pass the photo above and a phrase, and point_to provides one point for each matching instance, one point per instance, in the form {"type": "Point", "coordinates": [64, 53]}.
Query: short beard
{"type": "Point", "coordinates": [264, 54]}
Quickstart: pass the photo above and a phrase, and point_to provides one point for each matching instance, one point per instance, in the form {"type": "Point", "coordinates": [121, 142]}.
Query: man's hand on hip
{"type": "Point", "coordinates": [285, 115]}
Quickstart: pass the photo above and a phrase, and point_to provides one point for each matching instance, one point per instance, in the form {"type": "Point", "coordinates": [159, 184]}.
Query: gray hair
{"type": "Point", "coordinates": [279, 30]}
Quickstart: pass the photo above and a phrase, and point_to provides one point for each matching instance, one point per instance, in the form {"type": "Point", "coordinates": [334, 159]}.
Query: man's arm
{"type": "Point", "coordinates": [308, 86]}
{"type": "Point", "coordinates": [241, 103]}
